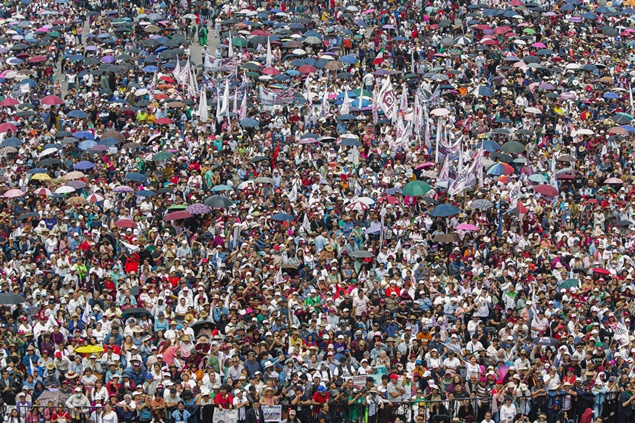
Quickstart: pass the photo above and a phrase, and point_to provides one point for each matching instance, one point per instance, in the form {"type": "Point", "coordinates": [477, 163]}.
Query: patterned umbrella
{"type": "Point", "coordinates": [481, 204]}
{"type": "Point", "coordinates": [198, 209]}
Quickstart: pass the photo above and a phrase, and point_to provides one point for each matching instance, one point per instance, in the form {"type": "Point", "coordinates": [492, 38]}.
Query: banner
{"type": "Point", "coordinates": [387, 100]}
{"type": "Point", "coordinates": [270, 97]}
{"type": "Point", "coordinates": [222, 415]}
{"type": "Point", "coordinates": [273, 413]}
{"type": "Point", "coordinates": [379, 372]}
{"type": "Point", "coordinates": [359, 381]}
{"type": "Point", "coordinates": [223, 65]}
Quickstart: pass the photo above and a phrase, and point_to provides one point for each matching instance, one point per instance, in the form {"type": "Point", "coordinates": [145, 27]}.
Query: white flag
{"type": "Point", "coordinates": [225, 105]}
{"type": "Point", "coordinates": [219, 115]}
{"type": "Point", "coordinates": [86, 314]}
{"type": "Point", "coordinates": [176, 72]}
{"type": "Point", "coordinates": [346, 106]}
{"type": "Point", "coordinates": [387, 100]}
{"type": "Point", "coordinates": [243, 107]}
{"type": "Point", "coordinates": [269, 59]}
{"type": "Point", "coordinates": [230, 52]}
{"type": "Point", "coordinates": [184, 76]}
{"type": "Point", "coordinates": [324, 107]}
{"type": "Point", "coordinates": [235, 106]}
{"type": "Point", "coordinates": [202, 107]}
{"type": "Point", "coordinates": [306, 224]}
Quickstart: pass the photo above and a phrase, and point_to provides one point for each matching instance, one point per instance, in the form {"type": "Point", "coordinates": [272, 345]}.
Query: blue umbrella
{"type": "Point", "coordinates": [76, 58]}
{"type": "Point", "coordinates": [282, 217]}
{"type": "Point", "coordinates": [37, 170]}
{"type": "Point", "coordinates": [145, 193]}
{"type": "Point", "coordinates": [150, 69]}
{"type": "Point", "coordinates": [346, 117]}
{"type": "Point", "coordinates": [628, 128]}
{"type": "Point", "coordinates": [79, 114]}
{"type": "Point", "coordinates": [249, 123]}
{"type": "Point", "coordinates": [589, 15]}
{"type": "Point", "coordinates": [56, 146]}
{"type": "Point", "coordinates": [84, 135]}
{"type": "Point", "coordinates": [31, 83]}
{"type": "Point", "coordinates": [610, 95]}
{"type": "Point", "coordinates": [86, 145]}
{"type": "Point", "coordinates": [444, 210]}
{"type": "Point", "coordinates": [136, 177]}
{"type": "Point", "coordinates": [84, 165]}
{"type": "Point", "coordinates": [11, 142]}
{"type": "Point", "coordinates": [349, 59]}
{"type": "Point", "coordinates": [221, 187]}
{"type": "Point", "coordinates": [109, 141]}
{"type": "Point", "coordinates": [485, 92]}
{"type": "Point", "coordinates": [350, 142]}
{"type": "Point", "coordinates": [488, 145]}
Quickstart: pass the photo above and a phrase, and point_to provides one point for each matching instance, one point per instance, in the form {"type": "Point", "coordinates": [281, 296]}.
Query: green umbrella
{"type": "Point", "coordinates": [569, 283]}
{"type": "Point", "coordinates": [252, 74]}
{"type": "Point", "coordinates": [513, 147]}
{"type": "Point", "coordinates": [178, 207]}
{"type": "Point", "coordinates": [239, 42]}
{"type": "Point", "coordinates": [416, 188]}
{"type": "Point", "coordinates": [164, 155]}
{"type": "Point", "coordinates": [252, 66]}
{"type": "Point", "coordinates": [54, 34]}
{"type": "Point", "coordinates": [363, 93]}
{"type": "Point", "coordinates": [529, 31]}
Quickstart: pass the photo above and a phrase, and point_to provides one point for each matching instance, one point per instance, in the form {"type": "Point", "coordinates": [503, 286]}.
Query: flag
{"type": "Point", "coordinates": [230, 51]}
{"type": "Point", "coordinates": [445, 170]}
{"type": "Point", "coordinates": [202, 107]}
{"type": "Point", "coordinates": [193, 83]}
{"type": "Point", "coordinates": [269, 58]}
{"type": "Point", "coordinates": [86, 314]}
{"type": "Point", "coordinates": [184, 76]}
{"type": "Point", "coordinates": [279, 279]}
{"type": "Point", "coordinates": [324, 107]}
{"type": "Point", "coordinates": [360, 98]}
{"type": "Point", "coordinates": [375, 105]}
{"type": "Point", "coordinates": [514, 196]}
{"type": "Point", "coordinates": [346, 107]}
{"type": "Point", "coordinates": [460, 168]}
{"type": "Point", "coordinates": [242, 114]}
{"type": "Point", "coordinates": [176, 72]}
{"type": "Point", "coordinates": [218, 106]}
{"type": "Point", "coordinates": [306, 224]}
{"type": "Point", "coordinates": [235, 106]}
{"type": "Point", "coordinates": [404, 98]}
{"type": "Point", "coordinates": [153, 86]}
{"type": "Point", "coordinates": [388, 100]}
{"type": "Point", "coordinates": [439, 133]}
{"type": "Point", "coordinates": [225, 105]}
{"type": "Point", "coordinates": [553, 181]}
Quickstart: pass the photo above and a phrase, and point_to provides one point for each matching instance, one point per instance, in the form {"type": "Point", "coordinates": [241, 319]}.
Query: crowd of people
{"type": "Point", "coordinates": [318, 212]}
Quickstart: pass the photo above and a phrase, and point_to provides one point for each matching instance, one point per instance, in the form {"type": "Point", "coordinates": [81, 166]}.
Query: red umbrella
{"type": "Point", "coordinates": [160, 96]}
{"type": "Point", "coordinates": [392, 200]}
{"type": "Point", "coordinates": [566, 176]}
{"type": "Point", "coordinates": [8, 127]}
{"type": "Point", "coordinates": [125, 223]}
{"type": "Point", "coordinates": [167, 79]}
{"type": "Point", "coordinates": [547, 190]}
{"type": "Point", "coordinates": [270, 71]}
{"type": "Point", "coordinates": [163, 121]}
{"type": "Point", "coordinates": [37, 59]}
{"type": "Point", "coordinates": [52, 100]}
{"type": "Point", "coordinates": [306, 69]}
{"type": "Point", "coordinates": [177, 215]}
{"type": "Point", "coordinates": [601, 271]}
{"type": "Point", "coordinates": [483, 27]}
{"type": "Point", "coordinates": [7, 102]}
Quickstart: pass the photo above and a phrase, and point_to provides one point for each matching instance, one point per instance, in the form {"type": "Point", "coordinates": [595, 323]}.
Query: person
{"type": "Point", "coordinates": [78, 405]}
{"type": "Point", "coordinates": [202, 35]}
{"type": "Point", "coordinates": [180, 415]}
{"type": "Point", "coordinates": [507, 412]}
{"type": "Point", "coordinates": [13, 417]}
{"type": "Point", "coordinates": [255, 414]}
{"type": "Point", "coordinates": [626, 403]}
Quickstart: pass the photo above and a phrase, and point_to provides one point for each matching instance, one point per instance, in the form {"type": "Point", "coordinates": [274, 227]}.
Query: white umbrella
{"type": "Point", "coordinates": [585, 131]}
{"type": "Point", "coordinates": [48, 151]}
{"type": "Point", "coordinates": [440, 112]}
{"type": "Point", "coordinates": [533, 110]}
{"type": "Point", "coordinates": [366, 200]}
{"type": "Point", "coordinates": [65, 189]}
{"type": "Point", "coordinates": [299, 52]}
{"type": "Point", "coordinates": [357, 206]}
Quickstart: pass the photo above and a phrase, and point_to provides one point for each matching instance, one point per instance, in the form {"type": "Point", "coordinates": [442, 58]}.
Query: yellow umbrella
{"type": "Point", "coordinates": [90, 349]}
{"type": "Point", "coordinates": [41, 177]}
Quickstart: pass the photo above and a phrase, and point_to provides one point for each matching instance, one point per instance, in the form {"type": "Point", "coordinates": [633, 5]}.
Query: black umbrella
{"type": "Point", "coordinates": [10, 299]}
{"type": "Point", "coordinates": [200, 324]}
{"type": "Point", "coordinates": [28, 215]}
{"type": "Point", "coordinates": [258, 159]}
{"type": "Point", "coordinates": [218, 202]}
{"type": "Point", "coordinates": [546, 341]}
{"type": "Point", "coordinates": [361, 254]}
{"type": "Point", "coordinates": [48, 162]}
{"type": "Point", "coordinates": [135, 312]}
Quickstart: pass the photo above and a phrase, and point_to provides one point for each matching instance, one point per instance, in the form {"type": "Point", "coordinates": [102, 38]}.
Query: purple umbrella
{"type": "Point", "coordinates": [546, 87]}
{"type": "Point", "coordinates": [91, 48]}
{"type": "Point", "coordinates": [198, 209]}
{"type": "Point", "coordinates": [77, 184]}
{"type": "Point", "coordinates": [381, 72]}
{"type": "Point", "coordinates": [108, 59]}
{"type": "Point", "coordinates": [308, 140]}
{"type": "Point", "coordinates": [122, 188]}
{"type": "Point", "coordinates": [100, 147]}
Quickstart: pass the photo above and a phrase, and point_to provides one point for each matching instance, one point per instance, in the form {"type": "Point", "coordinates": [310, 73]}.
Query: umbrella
{"type": "Point", "coordinates": [198, 209]}
{"type": "Point", "coordinates": [83, 165]}
{"type": "Point", "coordinates": [135, 312]}
{"type": "Point", "coordinates": [283, 217]}
{"type": "Point", "coordinates": [499, 169]}
{"type": "Point", "coordinates": [613, 181]}
{"type": "Point", "coordinates": [52, 100]}
{"type": "Point", "coordinates": [259, 159]}
{"type": "Point", "coordinates": [569, 283]}
{"type": "Point", "coordinates": [601, 271]}
{"type": "Point", "coordinates": [547, 190]}
{"type": "Point", "coordinates": [56, 397]}
{"type": "Point", "coordinates": [222, 187]}
{"type": "Point", "coordinates": [164, 155]}
{"type": "Point", "coordinates": [177, 215]}
{"type": "Point", "coordinates": [125, 223]}
{"type": "Point", "coordinates": [466, 227]}
{"type": "Point", "coordinates": [361, 254]}
{"type": "Point", "coordinates": [481, 204]}
{"type": "Point", "coordinates": [444, 210]}
{"type": "Point", "coordinates": [219, 202]}
{"type": "Point", "coordinates": [249, 123]}
{"type": "Point", "coordinates": [136, 177]}
{"type": "Point", "coordinates": [198, 325]}
{"type": "Point", "coordinates": [546, 341]}
{"type": "Point", "coordinates": [416, 188]}
{"type": "Point", "coordinates": [11, 299]}
{"type": "Point", "coordinates": [90, 349]}
{"type": "Point", "coordinates": [13, 193]}
{"type": "Point", "coordinates": [513, 147]}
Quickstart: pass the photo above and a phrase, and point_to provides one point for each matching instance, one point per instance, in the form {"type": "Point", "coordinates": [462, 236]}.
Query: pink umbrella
{"type": "Point", "coordinates": [466, 227]}
{"type": "Point", "coordinates": [52, 100]}
{"type": "Point", "coordinates": [95, 198]}
{"type": "Point", "coordinates": [424, 165]}
{"type": "Point", "coordinates": [539, 45]}
{"type": "Point", "coordinates": [8, 127]}
{"type": "Point", "coordinates": [7, 102]}
{"type": "Point", "coordinates": [13, 193]}
{"type": "Point", "coordinates": [43, 191]}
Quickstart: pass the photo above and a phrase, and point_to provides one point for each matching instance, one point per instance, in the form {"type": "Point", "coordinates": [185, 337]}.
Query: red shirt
{"type": "Point", "coordinates": [224, 401]}
{"type": "Point", "coordinates": [320, 399]}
